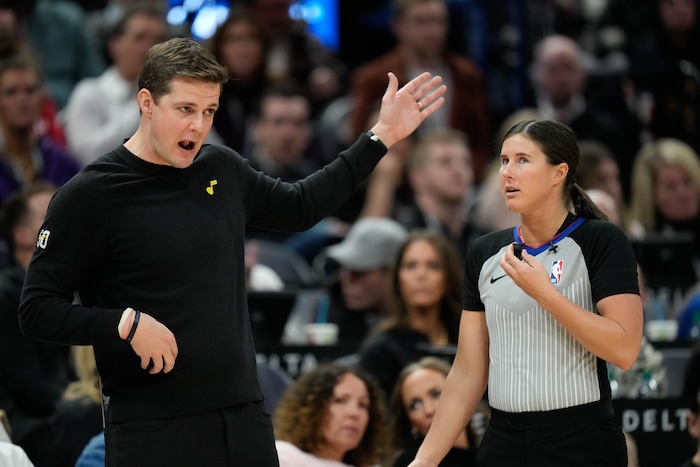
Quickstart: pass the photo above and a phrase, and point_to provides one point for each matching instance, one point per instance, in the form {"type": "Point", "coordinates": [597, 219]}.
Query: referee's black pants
{"type": "Point", "coordinates": [236, 436]}
{"type": "Point", "coordinates": [585, 436]}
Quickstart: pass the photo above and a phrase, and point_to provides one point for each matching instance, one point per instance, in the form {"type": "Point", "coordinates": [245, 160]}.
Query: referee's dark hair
{"type": "Point", "coordinates": [559, 145]}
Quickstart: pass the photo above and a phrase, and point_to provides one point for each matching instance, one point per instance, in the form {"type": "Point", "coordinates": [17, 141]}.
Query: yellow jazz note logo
{"type": "Point", "coordinates": [210, 188]}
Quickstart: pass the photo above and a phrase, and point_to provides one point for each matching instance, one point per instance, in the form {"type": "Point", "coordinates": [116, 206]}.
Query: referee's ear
{"type": "Point", "coordinates": [562, 170]}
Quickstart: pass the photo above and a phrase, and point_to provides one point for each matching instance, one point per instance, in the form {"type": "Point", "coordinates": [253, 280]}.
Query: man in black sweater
{"type": "Point", "coordinates": [151, 236]}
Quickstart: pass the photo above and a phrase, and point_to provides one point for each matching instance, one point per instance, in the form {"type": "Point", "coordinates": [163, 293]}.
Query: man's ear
{"type": "Point", "coordinates": [146, 102]}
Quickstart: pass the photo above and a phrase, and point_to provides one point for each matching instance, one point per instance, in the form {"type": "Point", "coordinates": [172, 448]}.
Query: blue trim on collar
{"type": "Point", "coordinates": [556, 239]}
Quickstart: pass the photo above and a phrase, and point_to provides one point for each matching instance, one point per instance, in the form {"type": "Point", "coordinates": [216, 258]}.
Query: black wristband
{"type": "Point", "coordinates": [132, 331]}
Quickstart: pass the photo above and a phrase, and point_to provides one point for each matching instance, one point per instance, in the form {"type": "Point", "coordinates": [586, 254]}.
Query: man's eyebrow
{"type": "Point", "coordinates": [192, 104]}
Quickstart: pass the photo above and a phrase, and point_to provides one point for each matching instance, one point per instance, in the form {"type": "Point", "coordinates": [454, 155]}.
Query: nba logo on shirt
{"type": "Point", "coordinates": [555, 272]}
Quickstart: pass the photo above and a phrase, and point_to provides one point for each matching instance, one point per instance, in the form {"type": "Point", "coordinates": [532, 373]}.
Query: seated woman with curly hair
{"type": "Point", "coordinates": [332, 416]}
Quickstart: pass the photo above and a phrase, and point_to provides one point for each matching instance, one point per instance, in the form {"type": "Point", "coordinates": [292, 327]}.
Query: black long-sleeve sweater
{"type": "Point", "coordinates": [170, 242]}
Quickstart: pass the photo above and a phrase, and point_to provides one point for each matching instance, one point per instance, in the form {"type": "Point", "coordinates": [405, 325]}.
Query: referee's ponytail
{"type": "Point", "coordinates": [583, 204]}
{"type": "Point", "coordinates": [558, 143]}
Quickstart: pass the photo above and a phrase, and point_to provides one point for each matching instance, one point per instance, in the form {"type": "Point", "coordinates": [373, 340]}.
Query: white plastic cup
{"type": "Point", "coordinates": [661, 330]}
{"type": "Point", "coordinates": [321, 333]}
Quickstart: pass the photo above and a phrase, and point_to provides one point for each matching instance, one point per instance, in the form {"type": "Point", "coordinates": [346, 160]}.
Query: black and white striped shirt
{"type": "Point", "coordinates": [535, 364]}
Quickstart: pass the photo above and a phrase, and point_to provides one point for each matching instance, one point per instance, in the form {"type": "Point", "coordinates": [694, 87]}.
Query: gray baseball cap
{"type": "Point", "coordinates": [372, 242]}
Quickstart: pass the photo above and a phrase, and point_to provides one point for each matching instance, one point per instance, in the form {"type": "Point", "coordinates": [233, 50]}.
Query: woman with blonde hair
{"type": "Point", "coordinates": [666, 187]}
{"type": "Point", "coordinates": [78, 415]}
{"type": "Point", "coordinates": [666, 202]}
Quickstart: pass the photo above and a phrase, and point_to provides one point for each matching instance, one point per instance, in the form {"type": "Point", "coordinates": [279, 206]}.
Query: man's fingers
{"type": "Point", "coordinates": [433, 95]}
{"type": "Point", "coordinates": [155, 345]}
{"type": "Point", "coordinates": [427, 87]}
{"type": "Point", "coordinates": [427, 93]}
{"type": "Point", "coordinates": [413, 86]}
{"type": "Point", "coordinates": [433, 106]}
{"type": "Point", "coordinates": [168, 363]}
{"type": "Point", "coordinates": [157, 365]}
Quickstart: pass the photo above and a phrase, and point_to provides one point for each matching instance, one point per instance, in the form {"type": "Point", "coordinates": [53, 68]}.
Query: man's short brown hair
{"type": "Point", "coordinates": [178, 58]}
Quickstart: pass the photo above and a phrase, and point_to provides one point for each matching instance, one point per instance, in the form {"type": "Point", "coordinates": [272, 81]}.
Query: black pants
{"type": "Point", "coordinates": [235, 436]}
{"type": "Point", "coordinates": [585, 436]}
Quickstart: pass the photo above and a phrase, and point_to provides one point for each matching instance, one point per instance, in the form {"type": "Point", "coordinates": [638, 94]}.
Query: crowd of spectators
{"type": "Point", "coordinates": [623, 75]}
